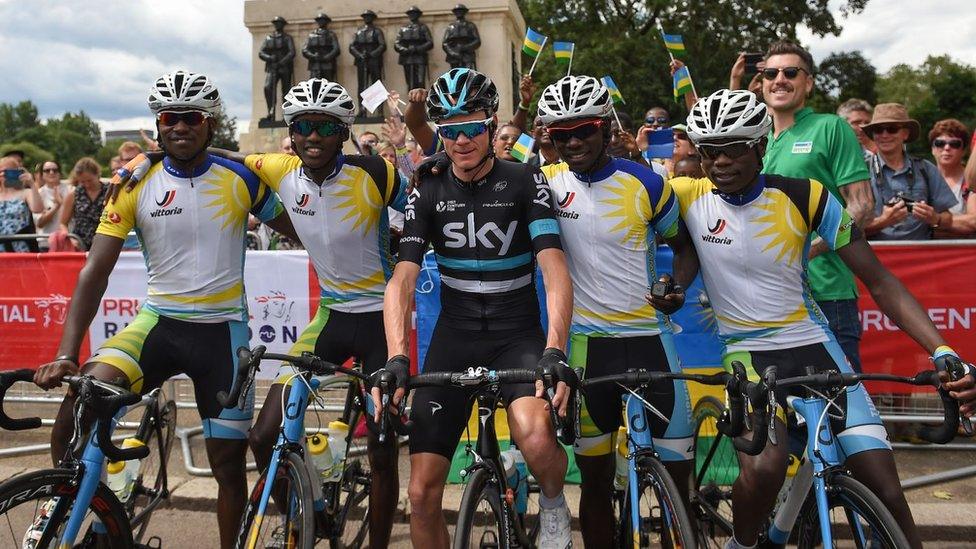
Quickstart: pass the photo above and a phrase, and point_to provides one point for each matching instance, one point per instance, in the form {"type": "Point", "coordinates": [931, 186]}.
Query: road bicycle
{"type": "Point", "coordinates": [824, 503]}
{"type": "Point", "coordinates": [281, 512]}
{"type": "Point", "coordinates": [69, 506]}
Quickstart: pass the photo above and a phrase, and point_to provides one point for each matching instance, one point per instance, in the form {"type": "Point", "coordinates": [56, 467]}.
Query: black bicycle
{"type": "Point", "coordinates": [68, 506]}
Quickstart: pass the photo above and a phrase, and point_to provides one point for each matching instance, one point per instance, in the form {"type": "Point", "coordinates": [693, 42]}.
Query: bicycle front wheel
{"type": "Point", "coordinates": [289, 520]}
{"type": "Point", "coordinates": [150, 487]}
{"type": "Point", "coordinates": [35, 507]}
{"type": "Point", "coordinates": [352, 522]}
{"type": "Point", "coordinates": [481, 518]}
{"type": "Point", "coordinates": [857, 518]}
{"type": "Point", "coordinates": [662, 518]}
{"type": "Point", "coordinates": [716, 468]}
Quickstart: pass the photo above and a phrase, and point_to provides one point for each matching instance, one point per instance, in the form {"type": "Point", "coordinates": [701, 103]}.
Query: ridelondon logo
{"type": "Point", "coordinates": [715, 230]}
{"type": "Point", "coordinates": [302, 201]}
{"type": "Point", "coordinates": [164, 203]}
{"type": "Point", "coordinates": [564, 203]}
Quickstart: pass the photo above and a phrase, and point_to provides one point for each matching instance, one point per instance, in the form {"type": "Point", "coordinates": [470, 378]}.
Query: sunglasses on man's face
{"type": "Point", "coordinates": [469, 129]}
{"type": "Point", "coordinates": [325, 128]}
{"type": "Point", "coordinates": [770, 73]}
{"type": "Point", "coordinates": [889, 129]}
{"type": "Point", "coordinates": [942, 143]}
{"type": "Point", "coordinates": [190, 118]}
{"type": "Point", "coordinates": [583, 130]}
{"type": "Point", "coordinates": [733, 150]}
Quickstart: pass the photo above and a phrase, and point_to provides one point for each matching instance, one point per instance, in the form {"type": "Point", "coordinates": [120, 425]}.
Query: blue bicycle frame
{"type": "Point", "coordinates": [639, 442]}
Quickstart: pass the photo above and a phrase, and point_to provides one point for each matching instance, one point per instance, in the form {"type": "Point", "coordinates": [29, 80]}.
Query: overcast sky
{"type": "Point", "coordinates": [101, 55]}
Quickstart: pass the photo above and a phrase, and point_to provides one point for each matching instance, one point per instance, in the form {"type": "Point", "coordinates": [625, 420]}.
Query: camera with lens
{"type": "Point", "coordinates": [662, 288]}
{"type": "Point", "coordinates": [909, 201]}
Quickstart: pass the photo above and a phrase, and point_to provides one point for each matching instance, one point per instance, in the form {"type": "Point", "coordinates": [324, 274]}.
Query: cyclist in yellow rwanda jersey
{"type": "Point", "coordinates": [190, 214]}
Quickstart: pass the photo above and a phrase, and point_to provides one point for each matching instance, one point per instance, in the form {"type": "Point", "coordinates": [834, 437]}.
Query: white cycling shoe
{"type": "Point", "coordinates": [555, 528]}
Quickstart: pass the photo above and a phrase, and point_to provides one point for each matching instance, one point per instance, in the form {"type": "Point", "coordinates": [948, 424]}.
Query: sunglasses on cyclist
{"type": "Point", "coordinates": [733, 150]}
{"type": "Point", "coordinates": [469, 129]}
{"type": "Point", "coordinates": [660, 120]}
{"type": "Point", "coordinates": [581, 131]}
{"type": "Point", "coordinates": [325, 128]}
{"type": "Point", "coordinates": [770, 73]}
{"type": "Point", "coordinates": [952, 143]}
{"type": "Point", "coordinates": [190, 118]}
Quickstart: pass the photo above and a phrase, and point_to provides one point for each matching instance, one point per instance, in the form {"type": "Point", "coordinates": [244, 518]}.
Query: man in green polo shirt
{"type": "Point", "coordinates": [805, 144]}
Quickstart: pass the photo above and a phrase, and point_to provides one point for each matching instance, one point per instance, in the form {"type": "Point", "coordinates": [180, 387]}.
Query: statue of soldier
{"type": "Point", "coordinates": [412, 43]}
{"type": "Point", "coordinates": [278, 54]}
{"type": "Point", "coordinates": [461, 39]}
{"type": "Point", "coordinates": [321, 50]}
{"type": "Point", "coordinates": [367, 48]}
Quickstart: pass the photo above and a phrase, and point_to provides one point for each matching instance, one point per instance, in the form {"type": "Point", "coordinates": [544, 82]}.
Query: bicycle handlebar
{"type": "Point", "coordinates": [6, 422]}
{"type": "Point", "coordinates": [105, 401]}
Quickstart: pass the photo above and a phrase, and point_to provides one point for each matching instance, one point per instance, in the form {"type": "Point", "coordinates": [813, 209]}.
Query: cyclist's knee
{"type": "Point", "coordinates": [425, 497]}
{"type": "Point", "coordinates": [763, 470]}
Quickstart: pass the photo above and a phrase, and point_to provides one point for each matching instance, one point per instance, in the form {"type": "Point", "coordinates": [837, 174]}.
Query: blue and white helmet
{"type": "Point", "coordinates": [461, 91]}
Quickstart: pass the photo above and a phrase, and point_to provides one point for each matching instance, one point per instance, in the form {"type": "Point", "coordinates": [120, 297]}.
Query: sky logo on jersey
{"type": "Point", "coordinates": [718, 227]}
{"type": "Point", "coordinates": [302, 201]}
{"type": "Point", "coordinates": [468, 235]}
{"type": "Point", "coordinates": [167, 199]}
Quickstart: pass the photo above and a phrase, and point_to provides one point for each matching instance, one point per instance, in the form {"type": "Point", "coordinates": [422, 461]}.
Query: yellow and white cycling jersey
{"type": "Point", "coordinates": [192, 230]}
{"type": "Point", "coordinates": [343, 223]}
{"type": "Point", "coordinates": [753, 253]}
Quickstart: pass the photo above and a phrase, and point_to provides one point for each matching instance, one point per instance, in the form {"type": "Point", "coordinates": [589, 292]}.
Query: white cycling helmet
{"type": "Point", "coordinates": [318, 95]}
{"type": "Point", "coordinates": [574, 97]}
{"type": "Point", "coordinates": [728, 114]}
{"type": "Point", "coordinates": [184, 90]}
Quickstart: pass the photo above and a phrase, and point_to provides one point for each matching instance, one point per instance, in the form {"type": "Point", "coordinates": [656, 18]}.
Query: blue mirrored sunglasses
{"type": "Point", "coordinates": [469, 129]}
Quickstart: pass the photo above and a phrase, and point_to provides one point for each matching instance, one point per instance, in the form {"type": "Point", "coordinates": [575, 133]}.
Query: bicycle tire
{"type": "Point", "coordinates": [846, 492]}
{"type": "Point", "coordinates": [291, 479]}
{"type": "Point", "coordinates": [659, 494]}
{"type": "Point", "coordinates": [352, 522]}
{"type": "Point", "coordinates": [480, 504]}
{"type": "Point", "coordinates": [151, 485]}
{"type": "Point", "coordinates": [40, 487]}
{"type": "Point", "coordinates": [711, 499]}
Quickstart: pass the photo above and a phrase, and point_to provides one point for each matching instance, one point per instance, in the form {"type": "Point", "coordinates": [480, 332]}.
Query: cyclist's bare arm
{"type": "Point", "coordinates": [396, 307]}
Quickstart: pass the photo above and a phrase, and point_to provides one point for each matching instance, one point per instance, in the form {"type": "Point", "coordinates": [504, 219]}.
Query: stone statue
{"type": "Point", "coordinates": [367, 48]}
{"type": "Point", "coordinates": [412, 43]}
{"type": "Point", "coordinates": [461, 40]}
{"type": "Point", "coordinates": [321, 50]}
{"type": "Point", "coordinates": [278, 54]}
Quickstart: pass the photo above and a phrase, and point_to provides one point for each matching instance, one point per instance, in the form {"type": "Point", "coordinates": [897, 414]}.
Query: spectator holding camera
{"type": "Point", "coordinates": [18, 200]}
{"type": "Point", "coordinates": [911, 198]}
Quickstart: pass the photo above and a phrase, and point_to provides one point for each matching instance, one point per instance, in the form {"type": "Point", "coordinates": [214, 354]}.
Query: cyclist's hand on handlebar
{"type": "Point", "coordinates": [554, 359]}
{"type": "Point", "coordinates": [399, 367]}
{"type": "Point", "coordinates": [48, 376]}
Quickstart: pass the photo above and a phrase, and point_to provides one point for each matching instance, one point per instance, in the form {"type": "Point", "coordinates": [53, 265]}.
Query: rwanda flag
{"type": "Point", "coordinates": [612, 88]}
{"type": "Point", "coordinates": [564, 52]}
{"type": "Point", "coordinates": [523, 147]}
{"type": "Point", "coordinates": [674, 43]}
{"type": "Point", "coordinates": [533, 43]}
{"type": "Point", "coordinates": [682, 82]}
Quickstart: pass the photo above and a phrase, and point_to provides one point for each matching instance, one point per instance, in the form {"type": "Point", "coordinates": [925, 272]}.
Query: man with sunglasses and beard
{"type": "Point", "coordinates": [610, 212]}
{"type": "Point", "coordinates": [805, 144]}
{"type": "Point", "coordinates": [489, 221]}
{"type": "Point", "coordinates": [753, 231]}
{"type": "Point", "coordinates": [190, 212]}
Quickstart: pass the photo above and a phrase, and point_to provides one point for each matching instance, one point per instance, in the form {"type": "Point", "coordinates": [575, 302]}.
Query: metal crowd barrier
{"type": "Point", "coordinates": [34, 240]}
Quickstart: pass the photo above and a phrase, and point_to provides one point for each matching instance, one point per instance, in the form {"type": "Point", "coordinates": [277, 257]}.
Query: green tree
{"type": "Point", "coordinates": [16, 118]}
{"type": "Point", "coordinates": [33, 154]}
{"type": "Point", "coordinates": [842, 76]}
{"type": "Point", "coordinates": [225, 136]}
{"type": "Point", "coordinates": [79, 123]}
{"type": "Point", "coordinates": [620, 38]}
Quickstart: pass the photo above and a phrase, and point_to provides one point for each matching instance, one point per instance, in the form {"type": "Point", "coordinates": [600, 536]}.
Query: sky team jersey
{"type": "Point", "coordinates": [343, 223]}
{"type": "Point", "coordinates": [608, 220]}
{"type": "Point", "coordinates": [191, 227]}
{"type": "Point", "coordinates": [753, 257]}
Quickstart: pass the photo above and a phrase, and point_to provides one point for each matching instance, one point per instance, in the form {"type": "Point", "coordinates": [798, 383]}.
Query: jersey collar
{"type": "Point", "coordinates": [599, 175]}
{"type": "Point", "coordinates": [742, 199]}
{"type": "Point", "coordinates": [340, 162]}
{"type": "Point", "coordinates": [196, 172]}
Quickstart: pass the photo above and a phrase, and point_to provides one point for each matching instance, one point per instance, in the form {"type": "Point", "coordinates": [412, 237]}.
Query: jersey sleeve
{"type": "Point", "coordinates": [416, 224]}
{"type": "Point", "coordinates": [828, 217]}
{"type": "Point", "coordinates": [848, 165]}
{"type": "Point", "coordinates": [265, 204]}
{"type": "Point", "coordinates": [540, 214]}
{"type": "Point", "coordinates": [119, 217]}
{"type": "Point", "coordinates": [272, 168]}
{"type": "Point", "coordinates": [665, 211]}
{"type": "Point", "coordinates": [396, 187]}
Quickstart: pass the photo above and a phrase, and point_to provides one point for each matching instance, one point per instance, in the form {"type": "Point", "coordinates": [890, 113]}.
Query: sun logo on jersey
{"type": "Point", "coordinates": [361, 201]}
{"type": "Point", "coordinates": [230, 197]}
{"type": "Point", "coordinates": [786, 232]}
{"type": "Point", "coordinates": [631, 207]}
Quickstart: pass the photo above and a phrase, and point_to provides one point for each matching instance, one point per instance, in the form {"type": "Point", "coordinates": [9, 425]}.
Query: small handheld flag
{"type": "Point", "coordinates": [682, 82]}
{"type": "Point", "coordinates": [522, 148]}
{"type": "Point", "coordinates": [533, 43]}
{"type": "Point", "coordinates": [674, 43]}
{"type": "Point", "coordinates": [613, 89]}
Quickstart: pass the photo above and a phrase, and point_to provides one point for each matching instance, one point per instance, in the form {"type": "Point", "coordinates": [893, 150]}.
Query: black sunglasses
{"type": "Point", "coordinates": [887, 128]}
{"type": "Point", "coordinates": [953, 143]}
{"type": "Point", "coordinates": [770, 73]}
{"type": "Point", "coordinates": [661, 120]}
{"type": "Point", "coordinates": [579, 131]}
{"type": "Point", "coordinates": [325, 128]}
{"type": "Point", "coordinates": [190, 118]}
{"type": "Point", "coordinates": [733, 150]}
